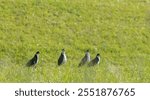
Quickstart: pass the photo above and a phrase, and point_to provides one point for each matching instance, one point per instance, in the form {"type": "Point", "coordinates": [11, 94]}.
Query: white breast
{"type": "Point", "coordinates": [98, 60]}
{"type": "Point", "coordinates": [65, 58]}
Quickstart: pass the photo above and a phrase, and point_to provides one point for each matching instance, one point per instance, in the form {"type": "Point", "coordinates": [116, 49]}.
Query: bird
{"type": "Point", "coordinates": [85, 59]}
{"type": "Point", "coordinates": [33, 62]}
{"type": "Point", "coordinates": [95, 61]}
{"type": "Point", "coordinates": [62, 58]}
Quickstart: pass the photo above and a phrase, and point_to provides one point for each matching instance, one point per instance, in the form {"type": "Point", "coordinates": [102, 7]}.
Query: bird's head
{"type": "Point", "coordinates": [87, 50]}
{"type": "Point", "coordinates": [98, 55]}
{"type": "Point", "coordinates": [63, 51]}
{"type": "Point", "coordinates": [37, 52]}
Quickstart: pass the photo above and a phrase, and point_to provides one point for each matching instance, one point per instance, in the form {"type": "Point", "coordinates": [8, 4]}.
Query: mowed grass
{"type": "Point", "coordinates": [117, 29]}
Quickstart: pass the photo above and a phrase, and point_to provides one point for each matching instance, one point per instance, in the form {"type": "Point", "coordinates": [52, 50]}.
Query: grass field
{"type": "Point", "coordinates": [117, 29]}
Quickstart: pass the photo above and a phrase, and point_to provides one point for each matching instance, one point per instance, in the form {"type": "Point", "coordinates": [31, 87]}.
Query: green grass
{"type": "Point", "coordinates": [117, 29]}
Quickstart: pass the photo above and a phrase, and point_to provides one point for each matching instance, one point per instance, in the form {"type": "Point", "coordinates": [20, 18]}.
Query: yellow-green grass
{"type": "Point", "coordinates": [117, 29]}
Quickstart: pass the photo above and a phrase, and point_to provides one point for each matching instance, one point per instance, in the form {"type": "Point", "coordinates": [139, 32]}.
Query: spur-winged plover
{"type": "Point", "coordinates": [85, 59]}
{"type": "Point", "coordinates": [33, 62]}
{"type": "Point", "coordinates": [62, 58]}
{"type": "Point", "coordinates": [95, 61]}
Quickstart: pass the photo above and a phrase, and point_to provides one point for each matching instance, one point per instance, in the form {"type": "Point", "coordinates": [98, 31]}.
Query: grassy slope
{"type": "Point", "coordinates": [117, 29]}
